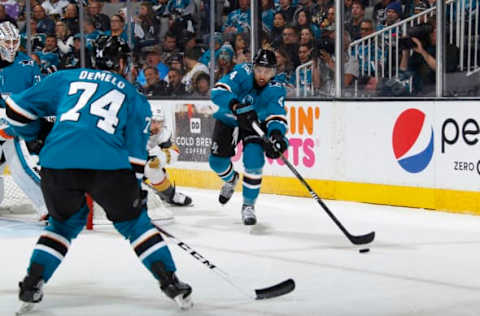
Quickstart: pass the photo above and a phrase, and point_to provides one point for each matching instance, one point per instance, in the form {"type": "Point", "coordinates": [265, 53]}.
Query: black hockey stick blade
{"type": "Point", "coordinates": [362, 239]}
{"type": "Point", "coordinates": [279, 289]}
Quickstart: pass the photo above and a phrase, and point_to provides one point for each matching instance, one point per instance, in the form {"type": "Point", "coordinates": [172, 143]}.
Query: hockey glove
{"type": "Point", "coordinates": [245, 114]}
{"type": "Point", "coordinates": [276, 145]}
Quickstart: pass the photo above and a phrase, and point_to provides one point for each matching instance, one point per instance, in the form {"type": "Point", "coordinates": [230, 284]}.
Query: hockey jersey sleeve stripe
{"type": "Point", "coordinates": [276, 117]}
{"type": "Point", "coordinates": [222, 86]}
{"type": "Point", "coordinates": [23, 115]}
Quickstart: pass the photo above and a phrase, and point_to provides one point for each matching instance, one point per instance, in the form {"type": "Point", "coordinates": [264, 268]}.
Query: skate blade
{"type": "Point", "coordinates": [183, 303]}
{"type": "Point", "coordinates": [25, 308]}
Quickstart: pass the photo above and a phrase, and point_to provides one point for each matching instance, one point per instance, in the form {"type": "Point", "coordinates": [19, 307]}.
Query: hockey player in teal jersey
{"type": "Point", "coordinates": [98, 145]}
{"type": "Point", "coordinates": [248, 94]}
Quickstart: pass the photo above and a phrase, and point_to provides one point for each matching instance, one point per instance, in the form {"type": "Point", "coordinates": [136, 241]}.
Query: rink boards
{"type": "Point", "coordinates": [408, 153]}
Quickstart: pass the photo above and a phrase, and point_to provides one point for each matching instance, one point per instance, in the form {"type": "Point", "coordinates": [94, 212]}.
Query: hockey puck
{"type": "Point", "coordinates": [364, 250]}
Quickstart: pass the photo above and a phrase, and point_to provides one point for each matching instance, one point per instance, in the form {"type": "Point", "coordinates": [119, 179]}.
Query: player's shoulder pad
{"type": "Point", "coordinates": [276, 85]}
{"type": "Point", "coordinates": [244, 67]}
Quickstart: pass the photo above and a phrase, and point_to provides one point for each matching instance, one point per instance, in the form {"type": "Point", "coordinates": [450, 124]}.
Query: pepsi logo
{"type": "Point", "coordinates": [412, 140]}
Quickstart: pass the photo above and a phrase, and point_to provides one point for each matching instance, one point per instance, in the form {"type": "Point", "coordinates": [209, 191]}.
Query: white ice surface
{"type": "Point", "coordinates": [421, 263]}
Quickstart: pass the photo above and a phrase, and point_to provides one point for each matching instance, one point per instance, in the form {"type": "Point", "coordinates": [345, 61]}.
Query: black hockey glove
{"type": "Point", "coordinates": [245, 114]}
{"type": "Point", "coordinates": [276, 145]}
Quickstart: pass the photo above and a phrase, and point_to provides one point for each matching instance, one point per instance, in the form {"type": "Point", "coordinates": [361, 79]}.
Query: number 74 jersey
{"type": "Point", "coordinates": [102, 122]}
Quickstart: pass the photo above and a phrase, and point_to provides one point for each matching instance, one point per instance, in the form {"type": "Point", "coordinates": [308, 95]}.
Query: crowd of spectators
{"type": "Point", "coordinates": [170, 38]}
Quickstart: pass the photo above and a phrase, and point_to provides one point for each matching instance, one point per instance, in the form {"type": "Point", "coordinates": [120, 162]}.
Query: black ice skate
{"type": "Point", "coordinates": [171, 196]}
{"type": "Point", "coordinates": [227, 189]}
{"type": "Point", "coordinates": [175, 289]}
{"type": "Point", "coordinates": [31, 289]}
{"type": "Point", "coordinates": [248, 215]}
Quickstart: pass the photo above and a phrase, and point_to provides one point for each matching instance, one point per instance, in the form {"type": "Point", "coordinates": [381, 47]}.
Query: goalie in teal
{"type": "Point", "coordinates": [98, 145]}
{"type": "Point", "coordinates": [246, 95]}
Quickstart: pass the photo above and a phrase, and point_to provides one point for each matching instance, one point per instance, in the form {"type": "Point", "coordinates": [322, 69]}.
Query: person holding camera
{"type": "Point", "coordinates": [324, 65]}
{"type": "Point", "coordinates": [421, 64]}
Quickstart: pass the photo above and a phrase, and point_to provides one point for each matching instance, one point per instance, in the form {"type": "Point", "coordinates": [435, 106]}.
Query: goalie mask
{"type": "Point", "coordinates": [9, 41]}
{"type": "Point", "coordinates": [107, 52]}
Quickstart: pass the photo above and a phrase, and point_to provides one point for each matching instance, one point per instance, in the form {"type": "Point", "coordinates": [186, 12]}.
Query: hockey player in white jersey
{"type": "Point", "coordinates": [162, 152]}
{"type": "Point", "coordinates": [17, 73]}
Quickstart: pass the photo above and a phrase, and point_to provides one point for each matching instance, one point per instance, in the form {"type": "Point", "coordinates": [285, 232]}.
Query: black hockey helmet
{"type": "Point", "coordinates": [265, 58]}
{"type": "Point", "coordinates": [107, 52]}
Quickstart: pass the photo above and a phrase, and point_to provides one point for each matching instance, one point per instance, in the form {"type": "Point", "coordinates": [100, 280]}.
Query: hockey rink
{"type": "Point", "coordinates": [420, 263]}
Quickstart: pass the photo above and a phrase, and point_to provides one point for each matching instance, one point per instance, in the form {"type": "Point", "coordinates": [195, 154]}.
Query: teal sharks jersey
{"type": "Point", "coordinates": [102, 122]}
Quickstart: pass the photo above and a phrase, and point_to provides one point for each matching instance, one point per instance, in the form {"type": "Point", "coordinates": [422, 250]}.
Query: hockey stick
{"type": "Point", "coordinates": [279, 289]}
{"type": "Point", "coordinates": [356, 240]}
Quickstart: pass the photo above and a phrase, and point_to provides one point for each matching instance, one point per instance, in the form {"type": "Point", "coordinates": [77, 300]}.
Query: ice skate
{"type": "Point", "coordinates": [171, 196]}
{"type": "Point", "coordinates": [248, 215]}
{"type": "Point", "coordinates": [171, 286]}
{"type": "Point", "coordinates": [30, 290]}
{"type": "Point", "coordinates": [227, 189]}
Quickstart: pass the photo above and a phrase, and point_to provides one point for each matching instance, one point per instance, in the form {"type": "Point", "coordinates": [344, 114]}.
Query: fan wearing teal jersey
{"type": "Point", "coordinates": [97, 146]}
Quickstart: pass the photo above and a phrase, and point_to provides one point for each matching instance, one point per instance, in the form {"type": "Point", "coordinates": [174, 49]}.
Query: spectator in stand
{"type": "Point", "coordinates": [64, 38]}
{"type": "Point", "coordinates": [306, 36]}
{"type": "Point", "coordinates": [175, 62]}
{"type": "Point", "coordinates": [422, 63]}
{"type": "Point", "coordinates": [279, 23]}
{"type": "Point", "coordinates": [205, 59]}
{"type": "Point", "coordinates": [201, 85]}
{"type": "Point", "coordinates": [189, 40]}
{"type": "Point", "coordinates": [12, 9]}
{"type": "Point", "coordinates": [175, 86]}
{"type": "Point", "coordinates": [367, 54]}
{"type": "Point", "coordinates": [154, 86]}
{"type": "Point", "coordinates": [285, 71]}
{"type": "Point", "coordinates": [310, 6]}
{"type": "Point", "coordinates": [54, 7]}
{"type": "Point", "coordinates": [328, 24]}
{"type": "Point", "coordinates": [193, 66]}
{"type": "Point", "coordinates": [49, 55]}
{"type": "Point", "coordinates": [303, 19]}
{"type": "Point", "coordinates": [90, 32]}
{"type": "Point", "coordinates": [4, 17]}
{"type": "Point", "coordinates": [288, 11]}
{"type": "Point", "coordinates": [393, 14]}
{"type": "Point", "coordinates": [305, 79]}
{"type": "Point", "coordinates": [290, 42]}
{"type": "Point", "coordinates": [238, 21]}
{"type": "Point", "coordinates": [153, 59]}
{"type": "Point", "coordinates": [70, 18]}
{"type": "Point", "coordinates": [150, 23]}
{"type": "Point", "coordinates": [117, 27]}
{"type": "Point", "coordinates": [380, 11]}
{"type": "Point", "coordinates": [225, 62]}
{"type": "Point", "coordinates": [37, 39]}
{"type": "Point", "coordinates": [169, 46]}
{"type": "Point", "coordinates": [44, 24]}
{"type": "Point", "coordinates": [358, 14]}
{"type": "Point", "coordinates": [267, 14]}
{"type": "Point", "coordinates": [72, 59]}
{"type": "Point", "coordinates": [101, 21]}
{"type": "Point", "coordinates": [324, 69]}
